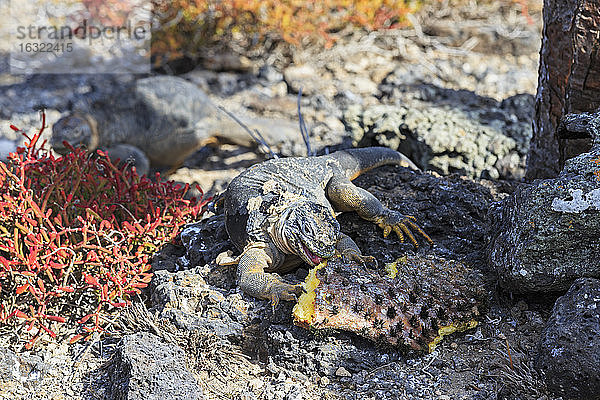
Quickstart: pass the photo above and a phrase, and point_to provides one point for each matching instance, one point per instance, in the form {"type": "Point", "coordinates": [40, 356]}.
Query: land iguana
{"type": "Point", "coordinates": [281, 212]}
{"type": "Point", "coordinates": [159, 120]}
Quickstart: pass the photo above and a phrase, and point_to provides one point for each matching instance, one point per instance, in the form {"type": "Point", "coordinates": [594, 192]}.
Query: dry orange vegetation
{"type": "Point", "coordinates": [190, 24]}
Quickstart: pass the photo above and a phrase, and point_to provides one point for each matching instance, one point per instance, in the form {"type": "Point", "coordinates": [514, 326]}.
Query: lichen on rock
{"type": "Point", "coordinates": [579, 201]}
{"type": "Point", "coordinates": [448, 130]}
{"type": "Point", "coordinates": [546, 233]}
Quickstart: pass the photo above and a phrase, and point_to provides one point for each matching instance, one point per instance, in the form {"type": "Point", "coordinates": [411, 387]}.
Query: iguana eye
{"type": "Point", "coordinates": [306, 230]}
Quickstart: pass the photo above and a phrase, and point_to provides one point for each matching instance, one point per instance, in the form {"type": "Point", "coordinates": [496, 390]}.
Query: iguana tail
{"type": "Point", "coordinates": [358, 161]}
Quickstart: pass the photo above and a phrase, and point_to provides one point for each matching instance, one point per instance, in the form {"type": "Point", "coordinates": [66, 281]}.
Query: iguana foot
{"type": "Point", "coordinates": [402, 225]}
{"type": "Point", "coordinates": [349, 255]}
{"type": "Point", "coordinates": [284, 291]}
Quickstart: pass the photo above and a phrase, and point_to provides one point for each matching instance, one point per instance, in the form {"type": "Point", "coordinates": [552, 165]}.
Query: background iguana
{"type": "Point", "coordinates": [159, 121]}
{"type": "Point", "coordinates": [281, 213]}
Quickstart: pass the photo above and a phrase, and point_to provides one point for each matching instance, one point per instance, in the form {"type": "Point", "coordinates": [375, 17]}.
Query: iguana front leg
{"type": "Point", "coordinates": [254, 281]}
{"type": "Point", "coordinates": [345, 196]}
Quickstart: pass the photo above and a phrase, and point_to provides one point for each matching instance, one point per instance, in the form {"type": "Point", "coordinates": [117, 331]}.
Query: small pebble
{"type": "Point", "coordinates": [453, 345]}
{"type": "Point", "coordinates": [324, 381]}
{"type": "Point", "coordinates": [256, 384]}
{"type": "Point", "coordinates": [342, 372]}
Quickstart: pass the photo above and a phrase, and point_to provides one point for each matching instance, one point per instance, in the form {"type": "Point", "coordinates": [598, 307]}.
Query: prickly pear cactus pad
{"type": "Point", "coordinates": [411, 303]}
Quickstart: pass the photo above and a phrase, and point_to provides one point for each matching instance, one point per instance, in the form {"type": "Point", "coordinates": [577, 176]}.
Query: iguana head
{"type": "Point", "coordinates": [308, 230]}
{"type": "Point", "coordinates": [75, 129]}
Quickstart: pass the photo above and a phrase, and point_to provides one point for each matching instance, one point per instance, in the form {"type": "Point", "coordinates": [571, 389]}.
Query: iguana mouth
{"type": "Point", "coordinates": [314, 259]}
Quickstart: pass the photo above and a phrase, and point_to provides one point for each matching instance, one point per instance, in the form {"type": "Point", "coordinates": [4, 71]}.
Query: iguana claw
{"type": "Point", "coordinates": [349, 255]}
{"type": "Point", "coordinates": [400, 224]}
{"type": "Point", "coordinates": [284, 291]}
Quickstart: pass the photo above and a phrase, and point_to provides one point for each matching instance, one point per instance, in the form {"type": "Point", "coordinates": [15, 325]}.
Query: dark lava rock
{"type": "Point", "coordinates": [185, 299]}
{"type": "Point", "coordinates": [519, 105]}
{"type": "Point", "coordinates": [297, 349]}
{"type": "Point", "coordinates": [205, 240]}
{"type": "Point", "coordinates": [146, 368]}
{"type": "Point", "coordinates": [569, 352]}
{"type": "Point", "coordinates": [452, 210]}
{"type": "Point", "coordinates": [546, 234]}
{"type": "Point", "coordinates": [448, 130]}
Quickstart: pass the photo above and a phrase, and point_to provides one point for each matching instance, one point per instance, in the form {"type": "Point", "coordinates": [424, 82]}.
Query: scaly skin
{"type": "Point", "coordinates": [281, 213]}
{"type": "Point", "coordinates": [161, 120]}
{"type": "Point", "coordinates": [157, 121]}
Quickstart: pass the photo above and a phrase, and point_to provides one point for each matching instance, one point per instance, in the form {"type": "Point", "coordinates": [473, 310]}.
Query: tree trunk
{"type": "Point", "coordinates": [568, 82]}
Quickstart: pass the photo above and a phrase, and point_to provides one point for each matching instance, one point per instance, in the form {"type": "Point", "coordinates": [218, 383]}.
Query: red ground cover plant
{"type": "Point", "coordinates": [76, 237]}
